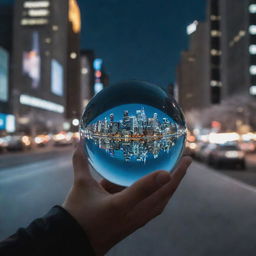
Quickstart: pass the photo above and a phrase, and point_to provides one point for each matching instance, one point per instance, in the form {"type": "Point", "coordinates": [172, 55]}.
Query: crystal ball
{"type": "Point", "coordinates": [131, 129]}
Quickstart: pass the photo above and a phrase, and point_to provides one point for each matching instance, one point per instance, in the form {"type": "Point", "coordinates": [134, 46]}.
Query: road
{"type": "Point", "coordinates": [211, 213]}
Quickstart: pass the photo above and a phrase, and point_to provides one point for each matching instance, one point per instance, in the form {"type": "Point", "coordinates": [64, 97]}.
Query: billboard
{"type": "Point", "coordinates": [32, 61]}
{"type": "Point", "coordinates": [4, 75]}
{"type": "Point", "coordinates": [7, 122]}
{"type": "Point", "coordinates": [56, 78]}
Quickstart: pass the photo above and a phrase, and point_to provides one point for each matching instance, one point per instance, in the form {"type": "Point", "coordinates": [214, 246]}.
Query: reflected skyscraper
{"type": "Point", "coordinates": [135, 136]}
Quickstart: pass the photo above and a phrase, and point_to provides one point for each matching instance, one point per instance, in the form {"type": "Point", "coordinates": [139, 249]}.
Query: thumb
{"type": "Point", "coordinates": [81, 166]}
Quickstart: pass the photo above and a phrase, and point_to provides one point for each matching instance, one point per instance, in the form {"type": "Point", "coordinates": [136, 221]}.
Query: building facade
{"type": "Point", "coordinates": [221, 59]}
{"type": "Point", "coordinates": [6, 118]}
{"type": "Point", "coordinates": [193, 75]}
{"type": "Point", "coordinates": [87, 76]}
{"type": "Point", "coordinates": [45, 55]}
{"type": "Point", "coordinates": [235, 48]}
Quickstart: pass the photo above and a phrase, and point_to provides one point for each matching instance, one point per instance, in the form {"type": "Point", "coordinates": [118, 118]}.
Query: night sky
{"type": "Point", "coordinates": [138, 39]}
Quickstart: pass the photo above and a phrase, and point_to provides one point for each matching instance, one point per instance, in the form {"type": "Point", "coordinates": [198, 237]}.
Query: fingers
{"type": "Point", "coordinates": [153, 205]}
{"type": "Point", "coordinates": [110, 187]}
{"type": "Point", "coordinates": [143, 188]}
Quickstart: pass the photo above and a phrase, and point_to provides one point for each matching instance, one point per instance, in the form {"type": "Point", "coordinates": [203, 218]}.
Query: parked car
{"type": "Point", "coordinates": [42, 140]}
{"type": "Point", "coordinates": [3, 143]}
{"type": "Point", "coordinates": [18, 142]}
{"type": "Point", "coordinates": [247, 147]}
{"type": "Point", "coordinates": [227, 155]}
{"type": "Point", "coordinates": [63, 139]}
{"type": "Point", "coordinates": [203, 150]}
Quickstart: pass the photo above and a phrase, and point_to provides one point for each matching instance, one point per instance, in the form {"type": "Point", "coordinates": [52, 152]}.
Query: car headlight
{"type": "Point", "coordinates": [234, 154]}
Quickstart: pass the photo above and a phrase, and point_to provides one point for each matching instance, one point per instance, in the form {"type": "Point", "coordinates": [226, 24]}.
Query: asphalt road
{"type": "Point", "coordinates": [210, 214]}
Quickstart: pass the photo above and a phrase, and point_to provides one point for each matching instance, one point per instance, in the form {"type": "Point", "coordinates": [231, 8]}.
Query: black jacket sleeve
{"type": "Point", "coordinates": [56, 233]}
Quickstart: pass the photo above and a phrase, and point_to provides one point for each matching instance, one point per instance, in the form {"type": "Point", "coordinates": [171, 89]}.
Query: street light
{"type": "Point", "coordinates": [75, 122]}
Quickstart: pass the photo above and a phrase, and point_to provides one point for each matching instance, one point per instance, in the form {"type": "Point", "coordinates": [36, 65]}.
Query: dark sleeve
{"type": "Point", "coordinates": [56, 233]}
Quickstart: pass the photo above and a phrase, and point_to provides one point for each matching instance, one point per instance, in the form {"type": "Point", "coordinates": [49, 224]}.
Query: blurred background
{"type": "Point", "coordinates": [55, 55]}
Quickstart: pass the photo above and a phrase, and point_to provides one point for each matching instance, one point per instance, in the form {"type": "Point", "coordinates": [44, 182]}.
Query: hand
{"type": "Point", "coordinates": [107, 212]}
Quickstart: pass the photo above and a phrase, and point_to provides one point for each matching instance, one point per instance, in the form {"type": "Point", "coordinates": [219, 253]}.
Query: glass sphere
{"type": "Point", "coordinates": [131, 129]}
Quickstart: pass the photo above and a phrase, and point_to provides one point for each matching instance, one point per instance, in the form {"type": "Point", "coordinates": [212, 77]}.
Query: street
{"type": "Point", "coordinates": [210, 214]}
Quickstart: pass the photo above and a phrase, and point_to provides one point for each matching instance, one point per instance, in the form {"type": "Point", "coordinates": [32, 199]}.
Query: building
{"type": "Point", "coordinates": [238, 47]}
{"type": "Point", "coordinates": [193, 76]}
{"type": "Point", "coordinates": [46, 74]}
{"type": "Point", "coordinates": [87, 76]}
{"type": "Point", "coordinates": [100, 76]}
{"type": "Point", "coordinates": [73, 86]}
{"type": "Point", "coordinates": [221, 59]}
{"type": "Point", "coordinates": [6, 17]}
{"type": "Point", "coordinates": [215, 51]}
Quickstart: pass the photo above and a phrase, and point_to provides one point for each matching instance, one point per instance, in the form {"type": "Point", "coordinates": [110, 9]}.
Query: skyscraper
{"type": "Point", "coordinates": [46, 74]}
{"type": "Point", "coordinates": [6, 16]}
{"type": "Point", "coordinates": [214, 20]}
{"type": "Point", "coordinates": [238, 30]}
{"type": "Point", "coordinates": [87, 76]}
{"type": "Point", "coordinates": [221, 59]}
{"type": "Point", "coordinates": [193, 78]}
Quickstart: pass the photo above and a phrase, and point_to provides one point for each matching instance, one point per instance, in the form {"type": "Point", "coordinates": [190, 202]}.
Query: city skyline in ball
{"type": "Point", "coordinates": [131, 108]}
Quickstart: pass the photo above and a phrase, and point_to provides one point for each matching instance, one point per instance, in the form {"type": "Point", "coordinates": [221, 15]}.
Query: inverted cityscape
{"type": "Point", "coordinates": [136, 136]}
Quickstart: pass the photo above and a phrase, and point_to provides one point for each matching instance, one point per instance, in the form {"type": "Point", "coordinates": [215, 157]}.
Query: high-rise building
{"type": "Point", "coordinates": [214, 19]}
{"type": "Point", "coordinates": [87, 76]}
{"type": "Point", "coordinates": [239, 47]}
{"type": "Point", "coordinates": [46, 74]}
{"type": "Point", "coordinates": [221, 59]}
{"type": "Point", "coordinates": [101, 77]}
{"type": "Point", "coordinates": [193, 76]}
{"type": "Point", "coordinates": [6, 17]}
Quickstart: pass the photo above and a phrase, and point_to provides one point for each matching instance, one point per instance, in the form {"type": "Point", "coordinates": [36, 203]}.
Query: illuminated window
{"type": "Point", "coordinates": [36, 4]}
{"type": "Point", "coordinates": [253, 70]}
{"type": "Point", "coordinates": [192, 27]}
{"type": "Point", "coordinates": [236, 38]}
{"type": "Point", "coordinates": [252, 49]}
{"type": "Point", "coordinates": [48, 40]}
{"type": "Point", "coordinates": [84, 71]}
{"type": "Point", "coordinates": [215, 33]}
{"type": "Point", "coordinates": [253, 90]}
{"type": "Point", "coordinates": [215, 52]}
{"type": "Point", "coordinates": [33, 22]}
{"type": "Point", "coordinates": [38, 12]}
{"type": "Point", "coordinates": [242, 33]}
{"type": "Point", "coordinates": [252, 29]}
{"type": "Point", "coordinates": [215, 83]}
{"type": "Point", "coordinates": [55, 28]}
{"type": "Point", "coordinates": [214, 17]}
{"type": "Point", "coordinates": [73, 55]}
{"type": "Point", "coordinates": [252, 8]}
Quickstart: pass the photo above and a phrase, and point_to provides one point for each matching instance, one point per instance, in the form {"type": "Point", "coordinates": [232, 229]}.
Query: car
{"type": "Point", "coordinates": [3, 143]}
{"type": "Point", "coordinates": [42, 140]}
{"type": "Point", "coordinates": [247, 147]}
{"type": "Point", "coordinates": [227, 156]}
{"type": "Point", "coordinates": [63, 139]}
{"type": "Point", "coordinates": [202, 151]}
{"type": "Point", "coordinates": [18, 142]}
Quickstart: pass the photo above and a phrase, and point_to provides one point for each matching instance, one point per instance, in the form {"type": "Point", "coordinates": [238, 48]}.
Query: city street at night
{"type": "Point", "coordinates": [211, 213]}
{"type": "Point", "coordinates": [139, 84]}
